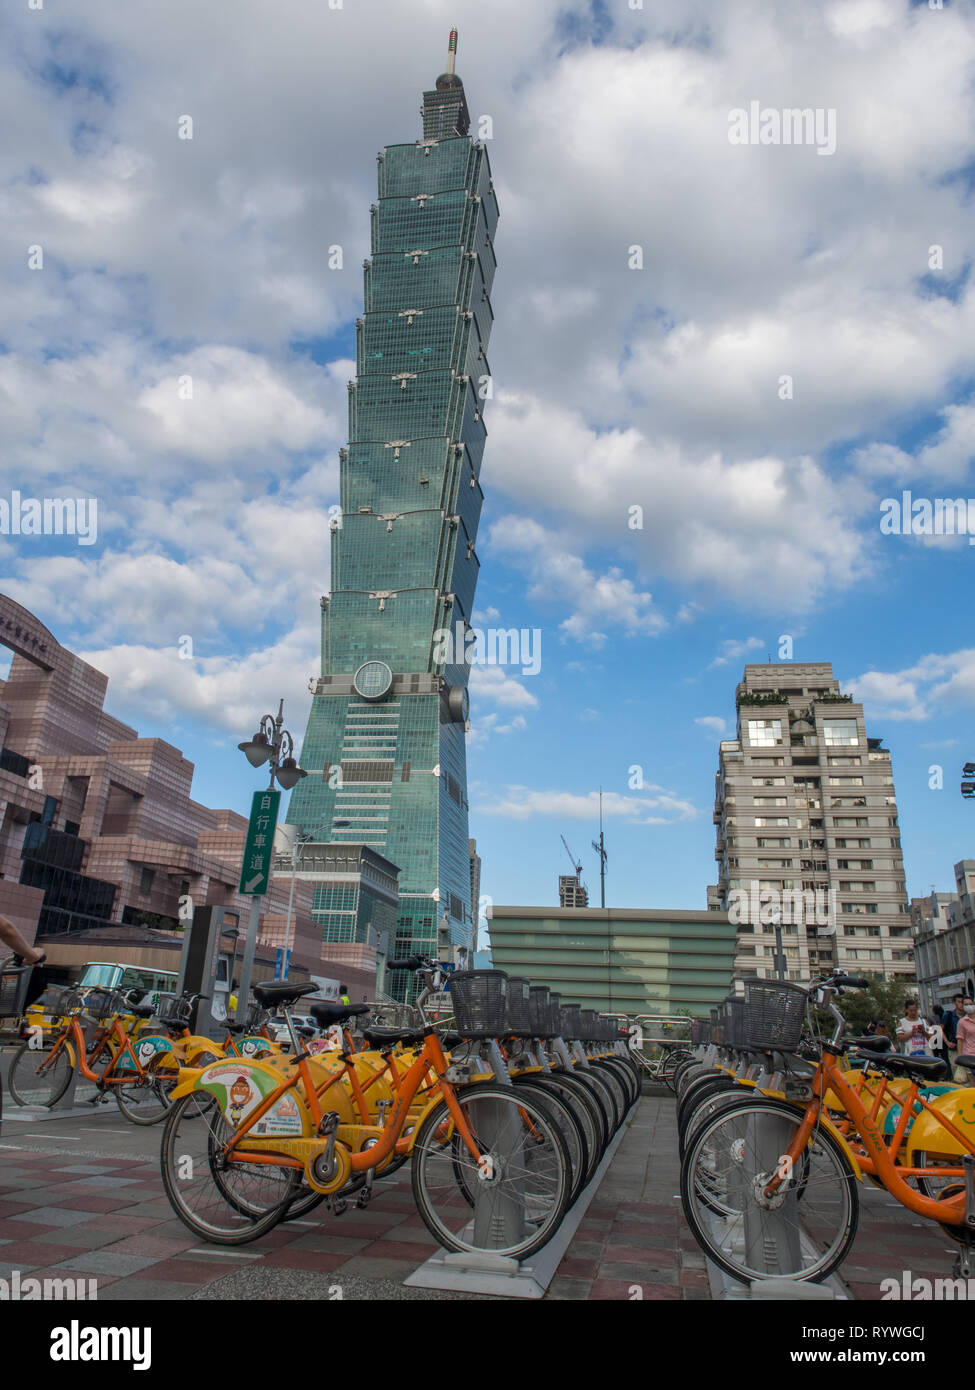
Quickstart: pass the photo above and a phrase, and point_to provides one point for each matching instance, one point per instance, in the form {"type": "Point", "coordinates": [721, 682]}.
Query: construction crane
{"type": "Point", "coordinates": [577, 867]}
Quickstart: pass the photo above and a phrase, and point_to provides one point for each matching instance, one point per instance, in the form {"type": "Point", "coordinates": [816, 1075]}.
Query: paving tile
{"type": "Point", "coordinates": [106, 1262]}
{"type": "Point", "coordinates": [378, 1268]}
{"type": "Point", "coordinates": [395, 1250]}
{"type": "Point", "coordinates": [53, 1216]}
{"type": "Point", "coordinates": [150, 1245]}
{"type": "Point", "coordinates": [87, 1168]}
{"type": "Point", "coordinates": [143, 1291]}
{"type": "Point", "coordinates": [184, 1271]}
{"type": "Point", "coordinates": [14, 1230]}
{"type": "Point", "coordinates": [107, 1180]}
{"type": "Point", "coordinates": [37, 1252]}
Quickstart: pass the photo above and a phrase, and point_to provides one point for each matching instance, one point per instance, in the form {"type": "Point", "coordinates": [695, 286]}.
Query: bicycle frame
{"type": "Point", "coordinates": [828, 1074]}
{"type": "Point", "coordinates": [111, 1033]}
{"type": "Point", "coordinates": [282, 1151]}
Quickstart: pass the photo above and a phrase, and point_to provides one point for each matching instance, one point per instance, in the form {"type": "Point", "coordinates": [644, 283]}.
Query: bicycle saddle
{"type": "Point", "coordinates": [965, 1059]}
{"type": "Point", "coordinates": [235, 1027]}
{"type": "Point", "coordinates": [873, 1042]}
{"type": "Point", "coordinates": [141, 1010]}
{"type": "Point", "coordinates": [326, 1012]}
{"type": "Point", "coordinates": [274, 995]}
{"type": "Point", "coordinates": [917, 1068]}
{"type": "Point", "coordinates": [379, 1037]}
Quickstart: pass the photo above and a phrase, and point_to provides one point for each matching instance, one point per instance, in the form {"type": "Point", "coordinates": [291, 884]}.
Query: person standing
{"type": "Point", "coordinates": [913, 1032]}
{"type": "Point", "coordinates": [965, 1041]}
{"type": "Point", "coordinates": [952, 1018]}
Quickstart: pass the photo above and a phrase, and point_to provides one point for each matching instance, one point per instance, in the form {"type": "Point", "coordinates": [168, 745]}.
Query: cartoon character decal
{"type": "Point", "coordinates": [239, 1094]}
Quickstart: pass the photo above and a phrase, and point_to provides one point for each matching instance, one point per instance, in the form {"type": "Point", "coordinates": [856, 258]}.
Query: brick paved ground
{"type": "Point", "coordinates": [84, 1198]}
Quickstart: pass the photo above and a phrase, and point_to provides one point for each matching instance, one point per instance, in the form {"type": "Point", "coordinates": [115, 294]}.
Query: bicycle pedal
{"type": "Point", "coordinates": [363, 1198]}
{"type": "Point", "coordinates": [338, 1207]}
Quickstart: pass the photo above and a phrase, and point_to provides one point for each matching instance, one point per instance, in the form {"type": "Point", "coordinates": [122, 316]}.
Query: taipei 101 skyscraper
{"type": "Point", "coordinates": [385, 743]}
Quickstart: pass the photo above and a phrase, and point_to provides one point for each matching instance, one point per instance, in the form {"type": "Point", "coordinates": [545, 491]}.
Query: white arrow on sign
{"type": "Point", "coordinates": [252, 884]}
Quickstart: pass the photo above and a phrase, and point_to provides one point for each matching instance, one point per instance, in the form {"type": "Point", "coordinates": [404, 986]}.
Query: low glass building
{"type": "Point", "coordinates": [619, 960]}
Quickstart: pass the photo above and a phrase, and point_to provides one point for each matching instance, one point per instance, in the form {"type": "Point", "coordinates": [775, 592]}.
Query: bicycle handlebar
{"type": "Point", "coordinates": [412, 963]}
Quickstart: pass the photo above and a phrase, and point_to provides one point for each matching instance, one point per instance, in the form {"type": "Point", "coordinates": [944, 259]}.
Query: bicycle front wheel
{"type": "Point", "coordinates": [800, 1231]}
{"type": "Point", "coordinates": [510, 1202]}
{"type": "Point", "coordinates": [226, 1203]}
{"type": "Point", "coordinates": [39, 1076]}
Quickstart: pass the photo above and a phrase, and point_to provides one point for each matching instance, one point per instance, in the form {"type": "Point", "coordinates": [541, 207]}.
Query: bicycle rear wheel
{"type": "Point", "coordinates": [803, 1230]}
{"type": "Point", "coordinates": [39, 1077]}
{"type": "Point", "coordinates": [521, 1188]}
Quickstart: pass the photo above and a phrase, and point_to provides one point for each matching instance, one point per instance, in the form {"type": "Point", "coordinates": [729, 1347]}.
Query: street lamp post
{"type": "Point", "coordinates": [272, 744]}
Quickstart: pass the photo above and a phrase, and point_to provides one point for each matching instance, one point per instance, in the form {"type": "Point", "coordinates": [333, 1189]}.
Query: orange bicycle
{"type": "Point", "coordinates": [490, 1168]}
{"type": "Point", "coordinates": [94, 1042]}
{"type": "Point", "coordinates": [769, 1185]}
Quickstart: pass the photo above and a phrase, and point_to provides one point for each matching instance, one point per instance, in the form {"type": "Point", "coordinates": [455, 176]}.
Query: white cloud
{"type": "Point", "coordinates": [712, 724]}
{"type": "Point", "coordinates": [731, 649]}
{"type": "Point", "coordinates": [598, 602]}
{"type": "Point", "coordinates": [227, 692]}
{"type": "Point", "coordinates": [944, 681]}
{"type": "Point", "coordinates": [522, 803]}
{"type": "Point", "coordinates": [493, 685]}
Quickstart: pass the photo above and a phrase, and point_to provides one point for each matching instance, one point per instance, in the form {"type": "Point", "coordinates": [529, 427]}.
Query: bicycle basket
{"type": "Point", "coordinates": [479, 998]}
{"type": "Point", "coordinates": [571, 1023]}
{"type": "Point", "coordinates": [736, 1033]}
{"type": "Point", "coordinates": [540, 1011]}
{"type": "Point", "coordinates": [14, 986]}
{"type": "Point", "coordinates": [775, 1014]}
{"type": "Point", "coordinates": [102, 1004]}
{"type": "Point", "coordinates": [588, 1030]}
{"type": "Point", "coordinates": [254, 1016]}
{"type": "Point", "coordinates": [517, 1016]}
{"type": "Point", "coordinates": [389, 1015]}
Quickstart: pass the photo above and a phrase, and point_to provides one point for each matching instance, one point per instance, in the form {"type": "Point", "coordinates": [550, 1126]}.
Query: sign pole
{"type": "Point", "coordinates": [255, 876]}
{"type": "Point", "coordinates": [247, 964]}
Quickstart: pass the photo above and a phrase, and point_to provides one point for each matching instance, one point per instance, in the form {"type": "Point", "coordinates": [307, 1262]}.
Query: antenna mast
{"type": "Point", "coordinates": [600, 847]}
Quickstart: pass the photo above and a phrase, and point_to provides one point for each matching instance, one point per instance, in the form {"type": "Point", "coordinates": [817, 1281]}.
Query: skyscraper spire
{"type": "Point", "coordinates": [448, 78]}
{"type": "Point", "coordinates": [445, 112]}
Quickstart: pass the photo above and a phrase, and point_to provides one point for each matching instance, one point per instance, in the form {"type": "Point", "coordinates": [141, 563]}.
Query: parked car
{"type": "Point", "coordinates": [306, 1028]}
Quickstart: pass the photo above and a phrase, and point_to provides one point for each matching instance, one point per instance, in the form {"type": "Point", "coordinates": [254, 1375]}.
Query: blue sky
{"type": "Point", "coordinates": [206, 259]}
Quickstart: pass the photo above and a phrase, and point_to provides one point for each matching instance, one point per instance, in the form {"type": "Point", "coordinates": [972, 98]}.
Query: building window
{"type": "Point", "coordinates": [840, 732]}
{"type": "Point", "coordinates": [765, 733]}
{"type": "Point", "coordinates": [146, 882]}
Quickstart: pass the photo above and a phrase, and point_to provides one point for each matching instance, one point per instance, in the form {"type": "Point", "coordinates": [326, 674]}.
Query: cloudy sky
{"type": "Point", "coordinates": [754, 344]}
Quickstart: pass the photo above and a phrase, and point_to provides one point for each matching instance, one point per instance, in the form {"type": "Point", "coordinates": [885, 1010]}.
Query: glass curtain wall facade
{"type": "Point", "coordinates": [385, 743]}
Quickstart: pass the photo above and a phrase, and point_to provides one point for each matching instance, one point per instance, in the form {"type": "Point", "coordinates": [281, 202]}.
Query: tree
{"type": "Point", "coordinates": [882, 1000]}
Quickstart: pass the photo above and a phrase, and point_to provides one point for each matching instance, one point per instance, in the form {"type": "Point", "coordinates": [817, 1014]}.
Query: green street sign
{"type": "Point", "coordinates": [259, 848]}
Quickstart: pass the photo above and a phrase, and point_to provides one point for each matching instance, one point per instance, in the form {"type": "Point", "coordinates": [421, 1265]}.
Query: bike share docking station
{"type": "Point", "coordinates": [499, 1275]}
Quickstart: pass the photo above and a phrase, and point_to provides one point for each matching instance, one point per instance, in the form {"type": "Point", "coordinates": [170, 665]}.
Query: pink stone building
{"type": "Point", "coordinates": [98, 827]}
